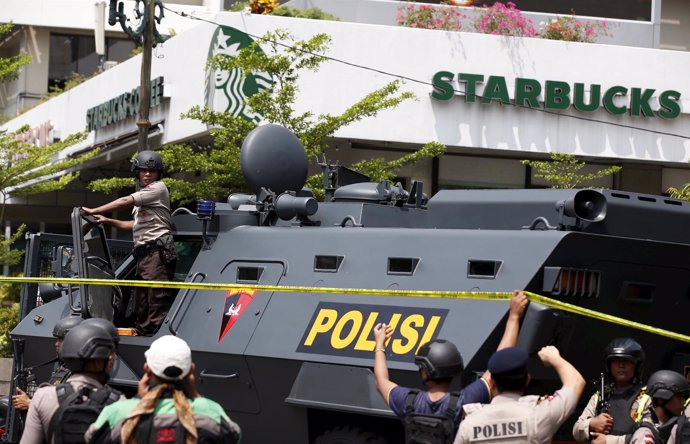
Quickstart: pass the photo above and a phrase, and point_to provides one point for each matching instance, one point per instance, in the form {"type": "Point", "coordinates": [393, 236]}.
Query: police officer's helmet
{"type": "Point", "coordinates": [64, 325]}
{"type": "Point", "coordinates": [148, 160]}
{"type": "Point", "coordinates": [108, 326]}
{"type": "Point", "coordinates": [440, 358]}
{"type": "Point", "coordinates": [85, 342]}
{"type": "Point", "coordinates": [664, 384]}
{"type": "Point", "coordinates": [626, 348]}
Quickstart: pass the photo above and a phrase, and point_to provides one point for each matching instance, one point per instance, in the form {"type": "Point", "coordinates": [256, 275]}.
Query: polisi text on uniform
{"type": "Point", "coordinates": [499, 430]}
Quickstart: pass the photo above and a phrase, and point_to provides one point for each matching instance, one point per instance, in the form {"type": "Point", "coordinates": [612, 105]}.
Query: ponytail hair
{"type": "Point", "coordinates": [148, 404]}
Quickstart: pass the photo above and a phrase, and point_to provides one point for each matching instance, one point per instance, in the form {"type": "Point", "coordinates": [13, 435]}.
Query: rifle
{"type": "Point", "coordinates": [604, 406]}
{"type": "Point", "coordinates": [22, 378]}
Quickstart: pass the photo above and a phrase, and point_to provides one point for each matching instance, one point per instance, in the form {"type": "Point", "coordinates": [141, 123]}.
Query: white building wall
{"type": "Point", "coordinates": [418, 54]}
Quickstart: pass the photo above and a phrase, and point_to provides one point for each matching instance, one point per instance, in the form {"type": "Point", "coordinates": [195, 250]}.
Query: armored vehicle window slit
{"type": "Point", "coordinates": [483, 269]}
{"type": "Point", "coordinates": [249, 274]}
{"type": "Point", "coordinates": [620, 195]}
{"type": "Point", "coordinates": [638, 292]}
{"type": "Point", "coordinates": [402, 265]}
{"type": "Point", "coordinates": [646, 199]}
{"type": "Point", "coordinates": [327, 264]}
{"type": "Point", "coordinates": [673, 202]}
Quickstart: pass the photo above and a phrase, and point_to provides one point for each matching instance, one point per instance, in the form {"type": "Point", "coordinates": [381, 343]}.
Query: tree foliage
{"type": "Point", "coordinates": [680, 193]}
{"type": "Point", "coordinates": [9, 66]}
{"type": "Point", "coordinates": [214, 171]}
{"type": "Point", "coordinates": [27, 169]}
{"type": "Point", "coordinates": [563, 171]}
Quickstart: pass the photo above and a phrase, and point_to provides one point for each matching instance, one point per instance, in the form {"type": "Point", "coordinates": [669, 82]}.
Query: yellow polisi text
{"type": "Point", "coordinates": [348, 328]}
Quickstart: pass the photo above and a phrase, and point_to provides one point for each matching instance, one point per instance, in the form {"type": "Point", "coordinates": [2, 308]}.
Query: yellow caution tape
{"type": "Point", "coordinates": [484, 296]}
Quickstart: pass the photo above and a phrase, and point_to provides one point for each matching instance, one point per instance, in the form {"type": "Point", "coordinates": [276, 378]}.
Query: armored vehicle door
{"type": "Point", "coordinates": [93, 262]}
{"type": "Point", "coordinates": [218, 325]}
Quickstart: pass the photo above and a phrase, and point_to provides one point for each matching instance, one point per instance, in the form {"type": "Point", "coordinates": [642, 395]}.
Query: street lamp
{"type": "Point", "coordinates": [146, 35]}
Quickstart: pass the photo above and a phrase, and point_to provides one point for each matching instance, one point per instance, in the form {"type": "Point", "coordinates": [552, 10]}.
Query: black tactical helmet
{"type": "Point", "coordinates": [625, 348]}
{"type": "Point", "coordinates": [663, 384]}
{"type": "Point", "coordinates": [84, 342]}
{"type": "Point", "coordinates": [107, 325]}
{"type": "Point", "coordinates": [64, 325]}
{"type": "Point", "coordinates": [149, 160]}
{"type": "Point", "coordinates": [440, 358]}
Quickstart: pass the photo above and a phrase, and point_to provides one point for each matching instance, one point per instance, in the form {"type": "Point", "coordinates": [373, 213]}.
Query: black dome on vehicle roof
{"type": "Point", "coordinates": [273, 157]}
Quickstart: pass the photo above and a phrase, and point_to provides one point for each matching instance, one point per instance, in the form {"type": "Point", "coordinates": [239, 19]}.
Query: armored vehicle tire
{"type": "Point", "coordinates": [349, 435]}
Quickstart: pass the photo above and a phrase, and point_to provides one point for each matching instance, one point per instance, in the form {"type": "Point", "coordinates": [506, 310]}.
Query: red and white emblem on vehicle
{"type": "Point", "coordinates": [236, 302]}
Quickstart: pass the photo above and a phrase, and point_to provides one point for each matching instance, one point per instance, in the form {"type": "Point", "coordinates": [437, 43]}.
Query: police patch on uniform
{"type": "Point", "coordinates": [236, 302]}
{"type": "Point", "coordinates": [503, 428]}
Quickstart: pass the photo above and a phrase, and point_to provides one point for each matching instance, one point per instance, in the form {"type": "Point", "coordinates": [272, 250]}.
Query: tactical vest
{"type": "Point", "coordinates": [422, 428]}
{"type": "Point", "coordinates": [59, 375]}
{"type": "Point", "coordinates": [683, 430]}
{"type": "Point", "coordinates": [634, 409]}
{"type": "Point", "coordinates": [622, 409]}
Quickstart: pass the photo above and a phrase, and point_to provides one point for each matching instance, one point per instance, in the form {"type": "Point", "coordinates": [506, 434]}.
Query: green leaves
{"type": "Point", "coordinates": [563, 171]}
{"type": "Point", "coordinates": [9, 66]}
{"type": "Point", "coordinates": [211, 170]}
{"type": "Point", "coordinates": [27, 169]}
{"type": "Point", "coordinates": [680, 193]}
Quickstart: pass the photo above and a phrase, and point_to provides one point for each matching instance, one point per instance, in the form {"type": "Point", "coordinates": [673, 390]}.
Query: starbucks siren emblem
{"type": "Point", "coordinates": [227, 91]}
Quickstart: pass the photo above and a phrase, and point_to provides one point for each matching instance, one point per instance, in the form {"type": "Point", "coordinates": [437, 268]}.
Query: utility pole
{"type": "Point", "coordinates": [147, 36]}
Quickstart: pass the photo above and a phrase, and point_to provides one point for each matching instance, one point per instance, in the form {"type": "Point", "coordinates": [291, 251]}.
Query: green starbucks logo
{"type": "Point", "coordinates": [227, 91]}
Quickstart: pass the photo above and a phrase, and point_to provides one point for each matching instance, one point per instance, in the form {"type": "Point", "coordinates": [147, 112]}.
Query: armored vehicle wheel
{"type": "Point", "coordinates": [349, 435]}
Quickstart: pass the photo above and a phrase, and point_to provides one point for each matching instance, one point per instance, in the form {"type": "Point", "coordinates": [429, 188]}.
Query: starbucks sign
{"type": "Point", "coordinates": [227, 91]}
{"type": "Point", "coordinates": [557, 95]}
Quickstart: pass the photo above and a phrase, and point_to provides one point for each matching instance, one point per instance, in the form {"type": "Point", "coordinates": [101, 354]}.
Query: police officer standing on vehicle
{"type": "Point", "coordinates": [615, 412]}
{"type": "Point", "coordinates": [153, 243]}
{"type": "Point", "coordinates": [512, 417]}
{"type": "Point", "coordinates": [439, 362]}
{"type": "Point", "coordinates": [88, 351]}
{"type": "Point", "coordinates": [21, 401]}
{"type": "Point", "coordinates": [669, 391]}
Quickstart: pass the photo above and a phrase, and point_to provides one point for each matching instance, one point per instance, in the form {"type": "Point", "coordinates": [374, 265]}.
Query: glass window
{"type": "Point", "coordinates": [469, 172]}
{"type": "Point", "coordinates": [119, 50]}
{"type": "Point", "coordinates": [77, 54]}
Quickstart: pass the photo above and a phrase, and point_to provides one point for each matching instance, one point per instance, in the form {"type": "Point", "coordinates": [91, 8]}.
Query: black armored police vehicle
{"type": "Point", "coordinates": [296, 367]}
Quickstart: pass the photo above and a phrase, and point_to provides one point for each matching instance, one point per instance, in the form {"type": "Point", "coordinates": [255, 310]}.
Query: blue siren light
{"type": "Point", "coordinates": [205, 209]}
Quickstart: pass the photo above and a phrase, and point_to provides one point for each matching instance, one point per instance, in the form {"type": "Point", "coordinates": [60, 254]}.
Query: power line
{"type": "Point", "coordinates": [424, 82]}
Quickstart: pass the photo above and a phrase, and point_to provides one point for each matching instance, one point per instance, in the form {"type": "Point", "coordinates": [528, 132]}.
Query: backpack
{"type": "Point", "coordinates": [75, 414]}
{"type": "Point", "coordinates": [422, 428]}
{"type": "Point", "coordinates": [148, 431]}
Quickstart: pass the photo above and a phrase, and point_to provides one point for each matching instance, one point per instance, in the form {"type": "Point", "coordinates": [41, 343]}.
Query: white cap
{"type": "Point", "coordinates": [169, 358]}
